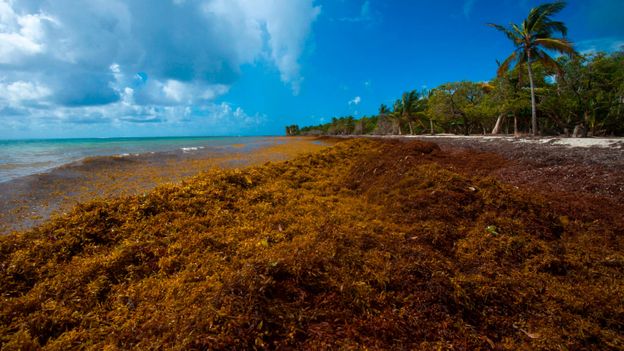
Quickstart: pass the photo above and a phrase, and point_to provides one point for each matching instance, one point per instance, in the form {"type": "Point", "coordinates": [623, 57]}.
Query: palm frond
{"type": "Point", "coordinates": [508, 63]}
{"type": "Point", "coordinates": [398, 107]}
{"type": "Point", "coordinates": [556, 7]}
{"type": "Point", "coordinates": [520, 32]}
{"type": "Point", "coordinates": [539, 15]}
{"type": "Point", "coordinates": [548, 61]}
{"type": "Point", "coordinates": [558, 45]}
{"type": "Point", "coordinates": [510, 35]}
{"type": "Point", "coordinates": [551, 27]}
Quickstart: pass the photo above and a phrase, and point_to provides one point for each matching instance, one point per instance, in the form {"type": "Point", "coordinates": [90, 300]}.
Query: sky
{"type": "Point", "coordinates": [124, 68]}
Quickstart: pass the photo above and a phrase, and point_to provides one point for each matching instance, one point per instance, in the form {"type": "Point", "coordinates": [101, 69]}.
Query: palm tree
{"type": "Point", "coordinates": [531, 38]}
{"type": "Point", "coordinates": [383, 123]}
{"type": "Point", "coordinates": [406, 109]}
{"type": "Point", "coordinates": [408, 104]}
{"type": "Point", "coordinates": [397, 112]}
{"type": "Point", "coordinates": [383, 110]}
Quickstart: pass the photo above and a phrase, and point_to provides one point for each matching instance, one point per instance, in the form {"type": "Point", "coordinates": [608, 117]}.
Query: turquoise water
{"type": "Point", "coordinates": [20, 158]}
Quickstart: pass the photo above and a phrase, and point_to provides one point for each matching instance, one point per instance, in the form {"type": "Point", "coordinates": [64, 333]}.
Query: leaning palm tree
{"type": "Point", "coordinates": [531, 39]}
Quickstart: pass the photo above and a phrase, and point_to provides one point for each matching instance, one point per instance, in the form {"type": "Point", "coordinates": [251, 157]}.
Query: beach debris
{"type": "Point", "coordinates": [319, 253]}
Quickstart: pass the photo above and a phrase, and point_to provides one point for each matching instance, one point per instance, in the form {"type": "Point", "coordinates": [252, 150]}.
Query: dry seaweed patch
{"type": "Point", "coordinates": [369, 244]}
{"type": "Point", "coordinates": [29, 201]}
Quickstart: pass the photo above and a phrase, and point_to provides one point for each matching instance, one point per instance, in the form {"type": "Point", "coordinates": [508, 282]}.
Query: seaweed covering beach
{"type": "Point", "coordinates": [369, 244]}
{"type": "Point", "coordinates": [30, 200]}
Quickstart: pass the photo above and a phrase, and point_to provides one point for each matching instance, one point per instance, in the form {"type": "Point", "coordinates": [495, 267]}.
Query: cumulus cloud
{"type": "Point", "coordinates": [206, 119]}
{"type": "Point", "coordinates": [19, 92]}
{"type": "Point", "coordinates": [356, 101]}
{"type": "Point", "coordinates": [142, 54]}
{"type": "Point", "coordinates": [20, 36]}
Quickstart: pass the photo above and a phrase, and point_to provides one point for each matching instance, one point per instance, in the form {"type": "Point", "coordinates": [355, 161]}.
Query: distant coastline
{"type": "Point", "coordinates": [24, 157]}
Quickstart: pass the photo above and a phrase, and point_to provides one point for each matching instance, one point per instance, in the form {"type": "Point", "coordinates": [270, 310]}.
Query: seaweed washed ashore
{"type": "Point", "coordinates": [368, 244]}
{"type": "Point", "coordinates": [30, 200]}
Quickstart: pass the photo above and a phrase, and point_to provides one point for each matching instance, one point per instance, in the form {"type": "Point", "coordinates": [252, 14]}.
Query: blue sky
{"type": "Point", "coordinates": [112, 68]}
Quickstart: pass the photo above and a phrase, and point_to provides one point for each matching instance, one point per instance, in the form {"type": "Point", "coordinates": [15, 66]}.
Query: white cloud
{"type": "Point", "coordinates": [592, 46]}
{"type": "Point", "coordinates": [16, 93]}
{"type": "Point", "coordinates": [225, 115]}
{"type": "Point", "coordinates": [146, 56]}
{"type": "Point", "coordinates": [288, 24]}
{"type": "Point", "coordinates": [21, 35]}
{"type": "Point", "coordinates": [207, 119]}
{"type": "Point", "coordinates": [365, 15]}
{"type": "Point", "coordinates": [356, 101]}
{"type": "Point", "coordinates": [211, 92]}
{"type": "Point", "coordinates": [174, 90]}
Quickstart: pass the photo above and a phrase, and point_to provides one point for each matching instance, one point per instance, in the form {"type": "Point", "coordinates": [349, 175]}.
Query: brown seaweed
{"type": "Point", "coordinates": [366, 245]}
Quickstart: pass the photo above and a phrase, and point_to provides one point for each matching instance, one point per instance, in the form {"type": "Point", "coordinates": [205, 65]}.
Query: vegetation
{"type": "Point", "coordinates": [580, 93]}
{"type": "Point", "coordinates": [530, 38]}
{"type": "Point", "coordinates": [31, 202]}
{"type": "Point", "coordinates": [366, 245]}
{"type": "Point", "coordinates": [369, 244]}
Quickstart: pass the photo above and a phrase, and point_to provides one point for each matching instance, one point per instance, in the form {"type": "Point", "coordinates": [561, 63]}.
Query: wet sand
{"type": "Point", "coordinates": [28, 201]}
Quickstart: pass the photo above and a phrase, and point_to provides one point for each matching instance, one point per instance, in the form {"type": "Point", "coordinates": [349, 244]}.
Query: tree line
{"type": "Point", "coordinates": [534, 92]}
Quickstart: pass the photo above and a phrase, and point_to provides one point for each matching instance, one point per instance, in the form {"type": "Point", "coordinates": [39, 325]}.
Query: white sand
{"type": "Point", "coordinates": [570, 142]}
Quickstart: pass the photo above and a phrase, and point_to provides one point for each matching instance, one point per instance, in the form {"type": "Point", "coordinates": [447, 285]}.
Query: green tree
{"type": "Point", "coordinates": [292, 130]}
{"type": "Point", "coordinates": [531, 39]}
{"type": "Point", "coordinates": [512, 101]}
{"type": "Point", "coordinates": [397, 117]}
{"type": "Point", "coordinates": [384, 123]}
{"type": "Point", "coordinates": [383, 109]}
{"type": "Point", "coordinates": [409, 109]}
{"type": "Point", "coordinates": [462, 106]}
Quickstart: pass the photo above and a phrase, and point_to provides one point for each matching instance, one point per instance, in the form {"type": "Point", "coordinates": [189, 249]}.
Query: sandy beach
{"type": "Point", "coordinates": [572, 166]}
{"type": "Point", "coordinates": [311, 175]}
{"type": "Point", "coordinates": [388, 243]}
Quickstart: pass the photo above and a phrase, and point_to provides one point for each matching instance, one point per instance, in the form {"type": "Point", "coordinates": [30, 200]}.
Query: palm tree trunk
{"type": "Point", "coordinates": [533, 105]}
{"type": "Point", "coordinates": [516, 133]}
{"type": "Point", "coordinates": [431, 125]}
{"type": "Point", "coordinates": [410, 127]}
{"type": "Point", "coordinates": [498, 125]}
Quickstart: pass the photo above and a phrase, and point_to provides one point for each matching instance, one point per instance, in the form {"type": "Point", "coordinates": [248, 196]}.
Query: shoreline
{"type": "Point", "coordinates": [30, 200]}
{"type": "Point", "coordinates": [378, 244]}
{"type": "Point", "coordinates": [598, 142]}
{"type": "Point", "coordinates": [594, 166]}
{"type": "Point", "coordinates": [20, 163]}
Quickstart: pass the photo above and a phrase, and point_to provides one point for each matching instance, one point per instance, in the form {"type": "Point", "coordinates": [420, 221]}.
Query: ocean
{"type": "Point", "coordinates": [19, 158]}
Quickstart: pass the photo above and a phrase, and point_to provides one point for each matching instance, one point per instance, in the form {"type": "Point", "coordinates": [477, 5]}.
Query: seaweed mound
{"type": "Point", "coordinates": [368, 244]}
